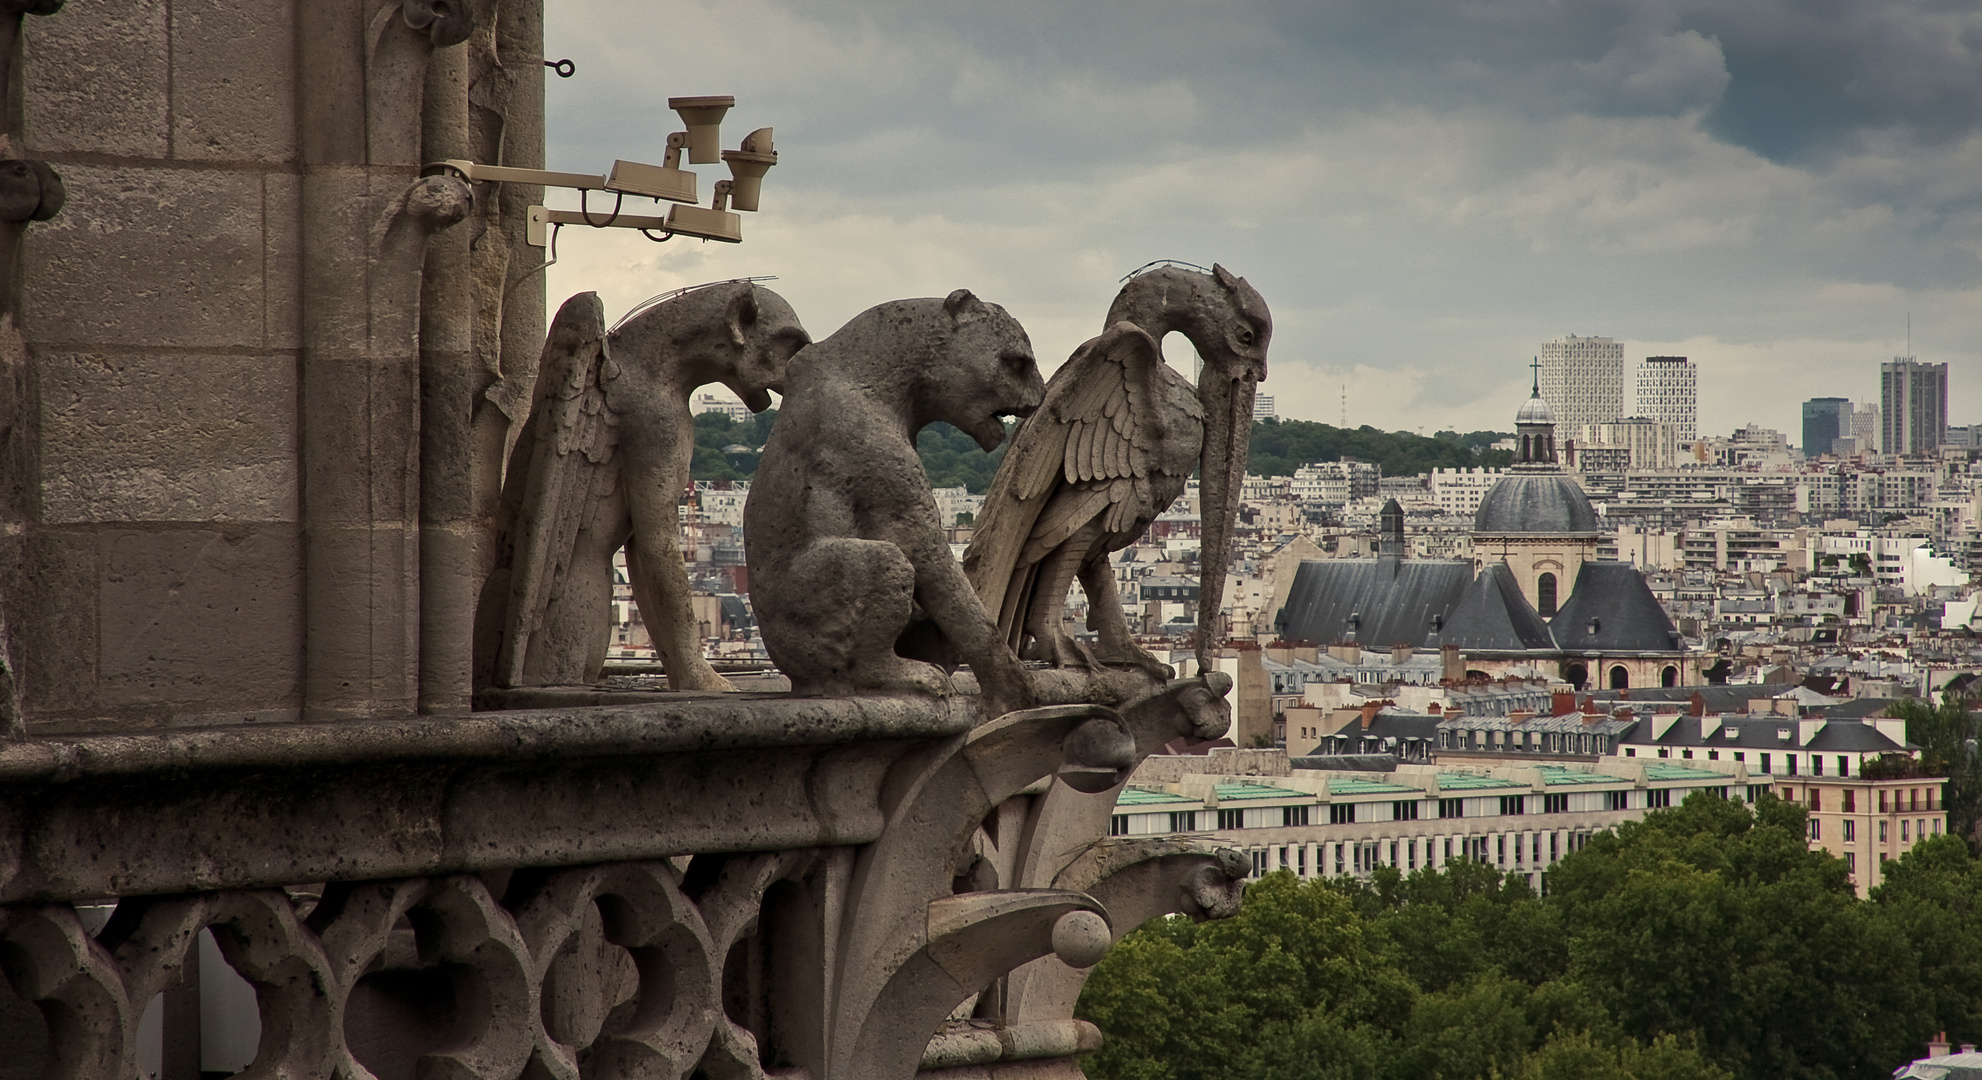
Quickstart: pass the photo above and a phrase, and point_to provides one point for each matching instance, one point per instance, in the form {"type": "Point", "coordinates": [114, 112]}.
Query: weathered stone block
{"type": "Point", "coordinates": [96, 81]}
{"type": "Point", "coordinates": [51, 614]}
{"type": "Point", "coordinates": [151, 438]}
{"type": "Point", "coordinates": [233, 81]}
{"type": "Point", "coordinates": [202, 618]}
{"type": "Point", "coordinates": [282, 263]}
{"type": "Point", "coordinates": [150, 257]}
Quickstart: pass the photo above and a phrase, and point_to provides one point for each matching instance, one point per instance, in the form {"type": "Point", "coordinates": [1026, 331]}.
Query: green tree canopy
{"type": "Point", "coordinates": [1947, 735]}
{"type": "Point", "coordinates": [1704, 942]}
{"type": "Point", "coordinates": [1281, 446]}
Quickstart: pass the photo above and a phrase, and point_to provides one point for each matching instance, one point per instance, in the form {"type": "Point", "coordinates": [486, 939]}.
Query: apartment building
{"type": "Point", "coordinates": [1518, 819]}
{"type": "Point", "coordinates": [1866, 821]}
{"type": "Point", "coordinates": [1668, 392]}
{"type": "Point", "coordinates": [1582, 379]}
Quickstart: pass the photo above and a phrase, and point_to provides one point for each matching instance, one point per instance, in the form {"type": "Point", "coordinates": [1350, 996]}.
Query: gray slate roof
{"type": "Point", "coordinates": [1535, 502]}
{"type": "Point", "coordinates": [1611, 609]}
{"type": "Point", "coordinates": [1764, 733]}
{"type": "Point", "coordinates": [1493, 616]}
{"type": "Point", "coordinates": [1394, 599]}
{"type": "Point", "coordinates": [1852, 736]}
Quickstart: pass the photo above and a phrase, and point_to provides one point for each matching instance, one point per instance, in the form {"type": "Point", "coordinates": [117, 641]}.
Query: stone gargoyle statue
{"type": "Point", "coordinates": [845, 547]}
{"type": "Point", "coordinates": [602, 462]}
{"type": "Point", "coordinates": [1119, 434]}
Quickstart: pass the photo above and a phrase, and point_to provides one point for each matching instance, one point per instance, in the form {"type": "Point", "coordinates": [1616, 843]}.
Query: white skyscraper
{"type": "Point", "coordinates": [1668, 391]}
{"type": "Point", "coordinates": [1582, 379]}
{"type": "Point", "coordinates": [1865, 427]}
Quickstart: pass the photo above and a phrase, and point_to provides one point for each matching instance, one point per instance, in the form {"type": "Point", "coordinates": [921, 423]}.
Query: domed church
{"type": "Point", "coordinates": [1533, 597]}
{"type": "Point", "coordinates": [1535, 518]}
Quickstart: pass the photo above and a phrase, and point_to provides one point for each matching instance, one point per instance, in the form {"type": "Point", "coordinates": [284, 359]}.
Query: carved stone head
{"type": "Point", "coordinates": [990, 372]}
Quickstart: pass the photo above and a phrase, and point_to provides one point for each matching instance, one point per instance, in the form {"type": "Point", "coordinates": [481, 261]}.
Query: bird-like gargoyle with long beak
{"type": "Point", "coordinates": [1114, 444]}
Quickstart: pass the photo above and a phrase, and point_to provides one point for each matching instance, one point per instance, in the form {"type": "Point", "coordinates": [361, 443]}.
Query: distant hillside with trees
{"type": "Point", "coordinates": [1281, 446]}
{"type": "Point", "coordinates": [952, 458]}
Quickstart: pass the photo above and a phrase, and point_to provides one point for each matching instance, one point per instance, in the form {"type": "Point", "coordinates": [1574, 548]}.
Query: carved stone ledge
{"type": "Point", "coordinates": [154, 813]}
{"type": "Point", "coordinates": [962, 1044]}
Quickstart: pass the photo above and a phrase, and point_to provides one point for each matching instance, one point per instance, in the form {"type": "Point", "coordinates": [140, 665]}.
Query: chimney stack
{"type": "Point", "coordinates": [1369, 714]}
{"type": "Point", "coordinates": [1938, 1047]}
{"type": "Point", "coordinates": [1562, 703]}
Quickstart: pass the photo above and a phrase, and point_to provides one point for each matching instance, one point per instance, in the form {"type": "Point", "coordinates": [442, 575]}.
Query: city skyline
{"type": "Point", "coordinates": [1421, 194]}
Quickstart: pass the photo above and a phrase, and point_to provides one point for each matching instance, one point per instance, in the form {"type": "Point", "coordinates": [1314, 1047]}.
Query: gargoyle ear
{"type": "Point", "coordinates": [957, 301]}
{"type": "Point", "coordinates": [742, 313]}
{"type": "Point", "coordinates": [1225, 277]}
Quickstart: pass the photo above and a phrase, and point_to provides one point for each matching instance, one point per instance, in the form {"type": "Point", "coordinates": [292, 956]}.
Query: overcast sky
{"type": "Point", "coordinates": [1423, 191]}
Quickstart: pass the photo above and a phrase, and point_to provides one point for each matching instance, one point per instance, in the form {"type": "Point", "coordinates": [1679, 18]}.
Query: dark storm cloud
{"type": "Point", "coordinates": [1788, 79]}
{"type": "Point", "coordinates": [1816, 76]}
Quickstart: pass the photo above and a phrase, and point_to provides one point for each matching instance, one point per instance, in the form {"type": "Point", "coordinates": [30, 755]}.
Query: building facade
{"type": "Point", "coordinates": [1634, 442]}
{"type": "Point", "coordinates": [1517, 819]}
{"type": "Point", "coordinates": [1669, 392]}
{"type": "Point", "coordinates": [1913, 399]}
{"type": "Point", "coordinates": [1582, 379]}
{"type": "Point", "coordinates": [1825, 421]}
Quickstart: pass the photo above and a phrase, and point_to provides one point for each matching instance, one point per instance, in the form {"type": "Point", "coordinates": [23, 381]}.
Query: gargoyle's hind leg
{"type": "Point", "coordinates": [1046, 618]}
{"type": "Point", "coordinates": [852, 598]}
{"type": "Point", "coordinates": [1104, 616]}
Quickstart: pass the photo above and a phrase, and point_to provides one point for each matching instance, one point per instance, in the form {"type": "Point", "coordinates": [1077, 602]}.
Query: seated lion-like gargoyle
{"type": "Point", "coordinates": [845, 547]}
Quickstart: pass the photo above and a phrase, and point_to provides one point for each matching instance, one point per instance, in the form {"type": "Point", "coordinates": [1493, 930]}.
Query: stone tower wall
{"type": "Point", "coordinates": [221, 365]}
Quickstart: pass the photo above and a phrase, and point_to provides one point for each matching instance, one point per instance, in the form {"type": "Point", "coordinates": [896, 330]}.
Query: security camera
{"type": "Point", "coordinates": [748, 166]}
{"type": "Point", "coordinates": [664, 181]}
{"type": "Point", "coordinates": [713, 223]}
{"type": "Point", "coordinates": [704, 117]}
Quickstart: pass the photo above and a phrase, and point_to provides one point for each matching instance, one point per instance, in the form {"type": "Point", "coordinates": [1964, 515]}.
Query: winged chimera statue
{"type": "Point", "coordinates": [602, 462]}
{"type": "Point", "coordinates": [1114, 444]}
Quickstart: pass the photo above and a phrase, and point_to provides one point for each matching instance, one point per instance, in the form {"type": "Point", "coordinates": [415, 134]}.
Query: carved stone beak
{"type": "Point", "coordinates": [1228, 428]}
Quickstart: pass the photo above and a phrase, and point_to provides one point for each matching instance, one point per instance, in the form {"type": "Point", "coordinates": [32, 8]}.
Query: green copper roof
{"type": "Point", "coordinates": [1139, 797]}
{"type": "Point", "coordinates": [1554, 775]}
{"type": "Point", "coordinates": [1468, 782]}
{"type": "Point", "coordinates": [1350, 786]}
{"type": "Point", "coordinates": [1257, 791]}
{"type": "Point", "coordinates": [1659, 770]}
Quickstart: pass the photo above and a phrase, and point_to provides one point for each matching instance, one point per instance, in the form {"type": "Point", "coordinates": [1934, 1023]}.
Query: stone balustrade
{"type": "Point", "coordinates": [723, 885]}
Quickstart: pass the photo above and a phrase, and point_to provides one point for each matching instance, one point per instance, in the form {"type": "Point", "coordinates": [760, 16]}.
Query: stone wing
{"type": "Point", "coordinates": [1086, 453]}
{"type": "Point", "coordinates": [561, 466]}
